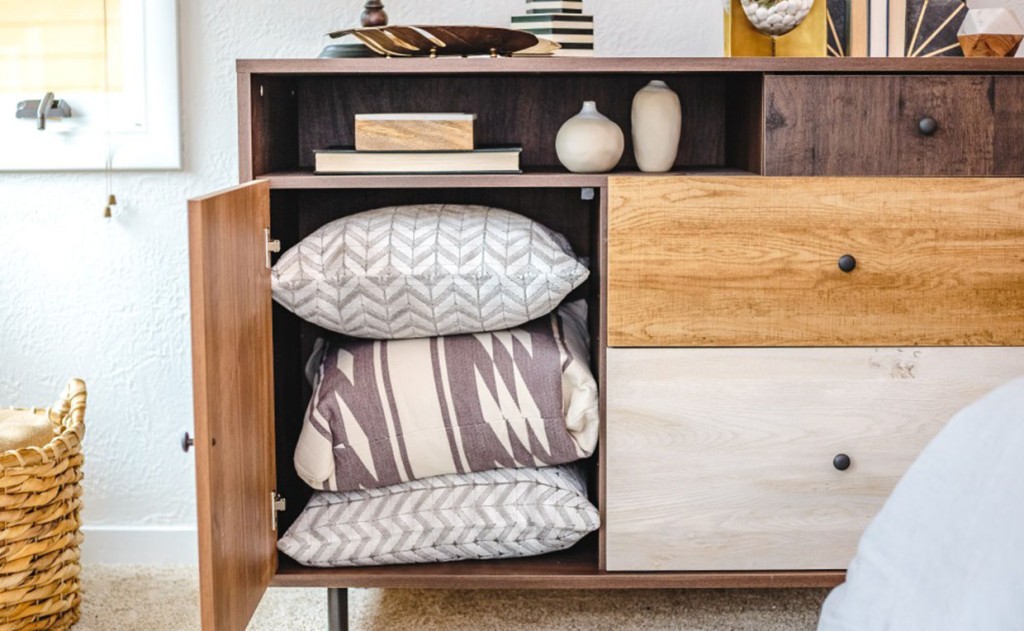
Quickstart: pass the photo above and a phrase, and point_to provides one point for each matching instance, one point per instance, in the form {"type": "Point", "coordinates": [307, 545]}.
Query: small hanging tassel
{"type": "Point", "coordinates": [107, 210]}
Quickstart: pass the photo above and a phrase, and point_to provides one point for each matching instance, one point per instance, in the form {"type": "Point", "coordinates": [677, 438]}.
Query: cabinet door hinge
{"type": "Point", "coordinates": [273, 246]}
{"type": "Point", "coordinates": [277, 505]}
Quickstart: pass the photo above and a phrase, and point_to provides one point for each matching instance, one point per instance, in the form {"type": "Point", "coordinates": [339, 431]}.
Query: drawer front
{"type": "Point", "coordinates": [916, 125]}
{"type": "Point", "coordinates": [754, 261]}
{"type": "Point", "coordinates": [723, 459]}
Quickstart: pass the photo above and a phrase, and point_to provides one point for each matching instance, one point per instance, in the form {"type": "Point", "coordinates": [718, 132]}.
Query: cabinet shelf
{"type": "Point", "coordinates": [575, 568]}
{"type": "Point", "coordinates": [530, 178]}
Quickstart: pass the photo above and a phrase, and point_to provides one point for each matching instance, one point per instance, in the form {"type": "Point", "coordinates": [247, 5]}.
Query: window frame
{"type": "Point", "coordinates": [144, 132]}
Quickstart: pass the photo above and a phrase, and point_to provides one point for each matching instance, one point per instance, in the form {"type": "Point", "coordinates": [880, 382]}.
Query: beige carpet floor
{"type": "Point", "coordinates": [129, 598]}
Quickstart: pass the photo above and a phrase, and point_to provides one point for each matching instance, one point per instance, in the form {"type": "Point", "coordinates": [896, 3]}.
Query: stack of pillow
{"type": "Point", "coordinates": [448, 408]}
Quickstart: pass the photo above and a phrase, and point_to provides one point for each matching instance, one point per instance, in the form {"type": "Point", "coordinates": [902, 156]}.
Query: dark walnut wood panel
{"type": "Point", "coordinates": [629, 65]}
{"type": "Point", "coordinates": [817, 125]}
{"type": "Point", "coordinates": [1008, 148]}
{"type": "Point", "coordinates": [744, 130]}
{"type": "Point", "coordinates": [963, 143]}
{"type": "Point", "coordinates": [754, 262]}
{"type": "Point", "coordinates": [872, 125]}
{"type": "Point", "coordinates": [274, 113]}
{"type": "Point", "coordinates": [524, 110]}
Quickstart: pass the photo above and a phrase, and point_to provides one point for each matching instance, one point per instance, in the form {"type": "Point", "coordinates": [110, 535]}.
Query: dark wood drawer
{"type": "Point", "coordinates": [879, 125]}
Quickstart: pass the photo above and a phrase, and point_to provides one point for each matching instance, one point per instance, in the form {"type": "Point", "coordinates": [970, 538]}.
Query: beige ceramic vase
{"type": "Point", "coordinates": [657, 126]}
{"type": "Point", "coordinates": [590, 142]}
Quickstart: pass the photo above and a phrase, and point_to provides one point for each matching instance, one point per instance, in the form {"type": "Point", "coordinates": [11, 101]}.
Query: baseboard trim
{"type": "Point", "coordinates": [148, 545]}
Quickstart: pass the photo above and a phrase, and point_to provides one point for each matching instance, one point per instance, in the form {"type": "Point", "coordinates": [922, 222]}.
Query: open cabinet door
{"type": "Point", "coordinates": [232, 363]}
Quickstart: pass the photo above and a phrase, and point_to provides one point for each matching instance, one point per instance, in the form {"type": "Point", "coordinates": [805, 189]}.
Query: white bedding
{"type": "Point", "coordinates": [947, 550]}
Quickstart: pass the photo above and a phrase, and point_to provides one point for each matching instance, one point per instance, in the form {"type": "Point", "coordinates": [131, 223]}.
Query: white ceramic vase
{"type": "Point", "coordinates": [590, 142]}
{"type": "Point", "coordinates": [657, 126]}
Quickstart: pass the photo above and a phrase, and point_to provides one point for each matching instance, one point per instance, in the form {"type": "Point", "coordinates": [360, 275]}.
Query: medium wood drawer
{"type": "Point", "coordinates": [722, 459]}
{"type": "Point", "coordinates": [754, 261]}
{"type": "Point", "coordinates": [878, 125]}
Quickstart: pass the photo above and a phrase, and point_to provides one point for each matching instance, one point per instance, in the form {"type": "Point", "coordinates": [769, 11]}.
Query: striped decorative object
{"type": "Point", "coordinates": [487, 515]}
{"type": "Point", "coordinates": [423, 271]}
{"type": "Point", "coordinates": [559, 21]}
{"type": "Point", "coordinates": [554, 6]}
{"type": "Point", "coordinates": [385, 412]}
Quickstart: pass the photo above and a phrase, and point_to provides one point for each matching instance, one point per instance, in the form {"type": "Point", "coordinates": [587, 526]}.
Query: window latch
{"type": "Point", "coordinates": [42, 109]}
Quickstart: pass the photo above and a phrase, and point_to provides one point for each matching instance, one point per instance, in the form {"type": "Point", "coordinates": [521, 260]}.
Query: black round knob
{"type": "Point", "coordinates": [927, 125]}
{"type": "Point", "coordinates": [841, 462]}
{"type": "Point", "coordinates": [847, 263]}
{"type": "Point", "coordinates": [187, 442]}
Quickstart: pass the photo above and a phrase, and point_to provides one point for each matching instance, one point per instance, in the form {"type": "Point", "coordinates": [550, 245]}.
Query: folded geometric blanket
{"type": "Point", "coordinates": [385, 412]}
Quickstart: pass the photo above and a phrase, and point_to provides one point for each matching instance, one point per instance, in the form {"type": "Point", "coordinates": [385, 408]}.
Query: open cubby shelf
{"type": "Point", "coordinates": [297, 212]}
{"type": "Point", "coordinates": [295, 114]}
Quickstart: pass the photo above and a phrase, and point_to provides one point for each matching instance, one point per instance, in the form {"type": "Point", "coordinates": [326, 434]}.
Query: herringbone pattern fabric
{"type": "Point", "coordinates": [424, 271]}
{"type": "Point", "coordinates": [487, 515]}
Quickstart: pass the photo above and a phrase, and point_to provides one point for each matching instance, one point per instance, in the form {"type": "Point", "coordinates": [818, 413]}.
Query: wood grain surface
{"type": "Point", "coordinates": [234, 402]}
{"type": "Point", "coordinates": [273, 112]}
{"type": "Point", "coordinates": [1008, 91]}
{"type": "Point", "coordinates": [964, 143]}
{"type": "Point", "coordinates": [721, 459]}
{"type": "Point", "coordinates": [414, 135]}
{"type": "Point", "coordinates": [830, 125]}
{"type": "Point", "coordinates": [748, 261]}
{"type": "Point", "coordinates": [613, 65]}
{"type": "Point", "coordinates": [869, 125]}
{"type": "Point", "coordinates": [575, 568]}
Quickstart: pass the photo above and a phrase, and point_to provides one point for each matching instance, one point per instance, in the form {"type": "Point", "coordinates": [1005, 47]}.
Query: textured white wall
{"type": "Point", "coordinates": [107, 300]}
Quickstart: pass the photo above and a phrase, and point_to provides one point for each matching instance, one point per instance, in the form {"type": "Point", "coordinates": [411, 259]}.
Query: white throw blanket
{"type": "Point", "coordinates": [947, 551]}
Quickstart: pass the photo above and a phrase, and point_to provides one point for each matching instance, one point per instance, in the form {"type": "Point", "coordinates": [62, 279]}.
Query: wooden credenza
{"type": "Point", "coordinates": [832, 269]}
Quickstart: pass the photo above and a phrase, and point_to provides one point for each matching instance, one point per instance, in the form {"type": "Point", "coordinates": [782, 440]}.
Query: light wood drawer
{"type": "Point", "coordinates": [754, 261]}
{"type": "Point", "coordinates": [722, 459]}
{"type": "Point", "coordinates": [879, 125]}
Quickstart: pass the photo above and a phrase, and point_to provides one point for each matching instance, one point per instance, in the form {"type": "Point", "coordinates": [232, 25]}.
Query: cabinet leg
{"type": "Point", "coordinates": [337, 609]}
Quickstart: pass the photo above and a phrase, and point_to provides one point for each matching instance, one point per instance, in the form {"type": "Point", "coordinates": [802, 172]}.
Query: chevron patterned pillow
{"type": "Point", "coordinates": [390, 411]}
{"type": "Point", "coordinates": [487, 515]}
{"type": "Point", "coordinates": [424, 271]}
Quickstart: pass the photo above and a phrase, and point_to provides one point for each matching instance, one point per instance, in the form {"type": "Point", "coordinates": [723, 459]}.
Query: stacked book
{"type": "Point", "coordinates": [561, 21]}
{"type": "Point", "coordinates": [416, 144]}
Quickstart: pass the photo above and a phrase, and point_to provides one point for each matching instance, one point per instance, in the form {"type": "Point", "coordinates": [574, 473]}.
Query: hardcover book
{"type": "Point", "coordinates": [346, 160]}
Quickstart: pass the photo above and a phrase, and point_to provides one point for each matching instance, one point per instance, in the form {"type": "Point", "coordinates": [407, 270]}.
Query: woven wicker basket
{"type": "Point", "coordinates": [40, 500]}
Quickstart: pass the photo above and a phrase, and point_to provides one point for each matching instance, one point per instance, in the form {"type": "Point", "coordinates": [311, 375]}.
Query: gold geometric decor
{"type": "Point", "coordinates": [931, 28]}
